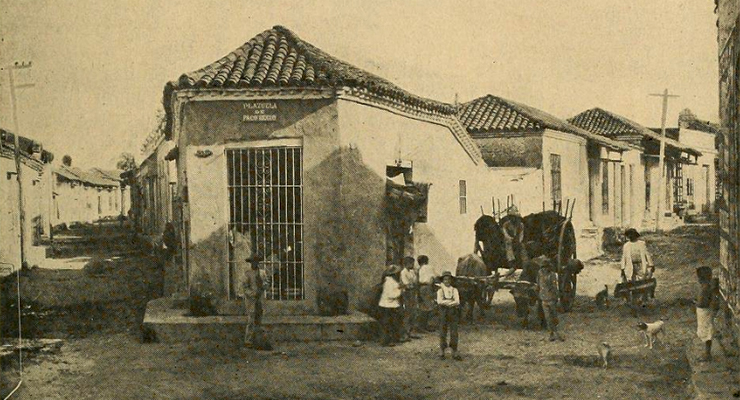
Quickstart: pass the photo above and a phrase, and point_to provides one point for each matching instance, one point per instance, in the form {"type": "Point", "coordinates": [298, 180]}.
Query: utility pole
{"type": "Point", "coordinates": [659, 208]}
{"type": "Point", "coordinates": [17, 151]}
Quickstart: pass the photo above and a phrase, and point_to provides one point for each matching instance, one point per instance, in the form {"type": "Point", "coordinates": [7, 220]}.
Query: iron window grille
{"type": "Point", "coordinates": [605, 187]}
{"type": "Point", "coordinates": [266, 204]}
{"type": "Point", "coordinates": [556, 191]}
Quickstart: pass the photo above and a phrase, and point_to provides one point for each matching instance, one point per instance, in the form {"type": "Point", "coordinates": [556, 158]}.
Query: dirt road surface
{"type": "Point", "coordinates": [103, 357]}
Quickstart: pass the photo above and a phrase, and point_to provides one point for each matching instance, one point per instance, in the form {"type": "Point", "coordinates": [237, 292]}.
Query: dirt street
{"type": "Point", "coordinates": [104, 359]}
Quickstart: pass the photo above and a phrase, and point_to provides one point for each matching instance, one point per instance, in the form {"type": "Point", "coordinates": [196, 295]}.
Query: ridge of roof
{"type": "Point", "coordinates": [279, 58]}
{"type": "Point", "coordinates": [91, 177]}
{"type": "Point", "coordinates": [489, 113]}
{"type": "Point", "coordinates": [607, 123]}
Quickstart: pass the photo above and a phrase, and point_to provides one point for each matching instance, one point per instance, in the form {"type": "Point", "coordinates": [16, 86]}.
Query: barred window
{"type": "Point", "coordinates": [265, 197]}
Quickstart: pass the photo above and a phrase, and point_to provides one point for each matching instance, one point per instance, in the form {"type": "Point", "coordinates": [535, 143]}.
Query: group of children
{"type": "Point", "coordinates": [410, 296]}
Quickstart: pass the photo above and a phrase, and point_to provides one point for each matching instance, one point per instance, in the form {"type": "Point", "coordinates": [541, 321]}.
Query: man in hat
{"type": "Point", "coordinates": [513, 230]}
{"type": "Point", "coordinates": [637, 259]}
{"type": "Point", "coordinates": [448, 300]}
{"type": "Point", "coordinates": [253, 289]}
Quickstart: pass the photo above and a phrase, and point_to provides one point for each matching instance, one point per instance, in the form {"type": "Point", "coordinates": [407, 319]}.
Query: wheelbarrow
{"type": "Point", "coordinates": [634, 289]}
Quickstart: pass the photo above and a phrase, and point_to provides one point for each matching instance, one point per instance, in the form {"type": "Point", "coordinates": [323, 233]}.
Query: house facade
{"type": "Point", "coordinates": [629, 187]}
{"type": "Point", "coordinates": [81, 196]}
{"type": "Point", "coordinates": [35, 174]}
{"type": "Point", "coordinates": [544, 162]}
{"type": "Point", "coordinates": [327, 171]}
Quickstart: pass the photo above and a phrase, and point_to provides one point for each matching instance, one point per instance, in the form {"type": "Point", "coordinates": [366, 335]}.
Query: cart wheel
{"type": "Point", "coordinates": [567, 252]}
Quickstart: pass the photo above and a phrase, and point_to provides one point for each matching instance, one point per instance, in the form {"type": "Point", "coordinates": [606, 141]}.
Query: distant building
{"type": "Point", "coordinates": [36, 185]}
{"type": "Point", "coordinates": [543, 161]}
{"type": "Point", "coordinates": [699, 179]}
{"type": "Point", "coordinates": [81, 196]}
{"type": "Point", "coordinates": [635, 179]}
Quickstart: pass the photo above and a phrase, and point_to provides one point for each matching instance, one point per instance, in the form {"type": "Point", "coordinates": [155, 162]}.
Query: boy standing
{"type": "Point", "coordinates": [448, 300]}
{"type": "Point", "coordinates": [705, 300]}
{"type": "Point", "coordinates": [547, 281]}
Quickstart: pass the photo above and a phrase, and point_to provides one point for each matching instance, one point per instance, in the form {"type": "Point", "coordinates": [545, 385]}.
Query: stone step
{"type": "Point", "coordinates": [165, 324]}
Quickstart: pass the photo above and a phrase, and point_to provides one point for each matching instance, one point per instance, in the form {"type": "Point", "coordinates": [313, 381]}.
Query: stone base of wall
{"type": "Point", "coordinates": [166, 323]}
{"type": "Point", "coordinates": [589, 243]}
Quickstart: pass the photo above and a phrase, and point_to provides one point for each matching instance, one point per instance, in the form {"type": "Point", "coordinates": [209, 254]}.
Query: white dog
{"type": "Point", "coordinates": [650, 331]}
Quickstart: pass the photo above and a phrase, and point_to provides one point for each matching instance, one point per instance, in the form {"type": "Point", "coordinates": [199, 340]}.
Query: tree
{"type": "Point", "coordinates": [67, 160]}
{"type": "Point", "coordinates": [126, 162]}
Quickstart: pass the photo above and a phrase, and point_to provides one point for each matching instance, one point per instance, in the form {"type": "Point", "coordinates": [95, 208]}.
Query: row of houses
{"type": "Point", "coordinates": [81, 196]}
{"type": "Point", "coordinates": [330, 173]}
{"type": "Point", "coordinates": [53, 196]}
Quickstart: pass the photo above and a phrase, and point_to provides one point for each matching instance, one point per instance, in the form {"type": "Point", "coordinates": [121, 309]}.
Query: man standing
{"type": "Point", "coordinates": [253, 289]}
{"type": "Point", "coordinates": [410, 282]}
{"type": "Point", "coordinates": [513, 230]}
{"type": "Point", "coordinates": [547, 280]}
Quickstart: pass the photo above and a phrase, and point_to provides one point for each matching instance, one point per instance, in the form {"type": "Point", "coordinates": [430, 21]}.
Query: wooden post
{"type": "Point", "coordinates": [659, 207]}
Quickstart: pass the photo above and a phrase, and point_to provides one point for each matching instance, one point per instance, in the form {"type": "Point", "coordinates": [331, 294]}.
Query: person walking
{"type": "Point", "coordinates": [448, 301]}
{"type": "Point", "coordinates": [636, 258]}
{"type": "Point", "coordinates": [547, 281]}
{"type": "Point", "coordinates": [427, 292]}
{"type": "Point", "coordinates": [706, 303]}
{"type": "Point", "coordinates": [252, 290]}
{"type": "Point", "coordinates": [390, 306]}
{"type": "Point", "coordinates": [410, 296]}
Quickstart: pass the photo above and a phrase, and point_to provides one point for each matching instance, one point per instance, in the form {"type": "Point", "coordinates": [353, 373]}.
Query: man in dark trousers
{"type": "Point", "coordinates": [448, 301]}
{"type": "Point", "coordinates": [253, 289]}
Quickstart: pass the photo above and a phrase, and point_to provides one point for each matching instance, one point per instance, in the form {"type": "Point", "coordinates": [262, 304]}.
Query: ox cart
{"type": "Point", "coordinates": [547, 233]}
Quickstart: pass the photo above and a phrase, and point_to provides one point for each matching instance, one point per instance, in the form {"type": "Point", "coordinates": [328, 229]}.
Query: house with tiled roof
{"type": "Point", "coordinates": [539, 159]}
{"type": "Point", "coordinates": [86, 196]}
{"type": "Point", "coordinates": [327, 171]}
{"type": "Point", "coordinates": [699, 185]}
{"type": "Point", "coordinates": [637, 177]}
{"type": "Point", "coordinates": [35, 184]}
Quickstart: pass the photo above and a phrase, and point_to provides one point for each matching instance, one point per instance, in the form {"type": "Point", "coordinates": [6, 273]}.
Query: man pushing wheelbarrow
{"type": "Point", "coordinates": [637, 260]}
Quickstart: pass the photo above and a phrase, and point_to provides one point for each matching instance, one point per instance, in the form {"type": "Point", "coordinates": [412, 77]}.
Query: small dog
{"type": "Point", "coordinates": [650, 331]}
{"type": "Point", "coordinates": [602, 299]}
{"type": "Point", "coordinates": [605, 351]}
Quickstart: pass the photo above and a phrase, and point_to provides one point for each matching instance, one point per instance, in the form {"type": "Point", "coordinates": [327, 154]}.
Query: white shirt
{"type": "Point", "coordinates": [391, 295]}
{"type": "Point", "coordinates": [426, 274]}
{"type": "Point", "coordinates": [409, 278]}
{"type": "Point", "coordinates": [448, 296]}
{"type": "Point", "coordinates": [635, 251]}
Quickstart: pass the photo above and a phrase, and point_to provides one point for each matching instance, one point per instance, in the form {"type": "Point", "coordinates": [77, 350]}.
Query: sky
{"type": "Point", "coordinates": [99, 66]}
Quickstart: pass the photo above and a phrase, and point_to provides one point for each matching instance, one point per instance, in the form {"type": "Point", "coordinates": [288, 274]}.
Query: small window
{"type": "Point", "coordinates": [556, 192]}
{"type": "Point", "coordinates": [463, 197]}
{"type": "Point", "coordinates": [605, 187]}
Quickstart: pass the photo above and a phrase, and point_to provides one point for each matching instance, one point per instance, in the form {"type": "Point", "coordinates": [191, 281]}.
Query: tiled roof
{"type": "Point", "coordinates": [27, 146]}
{"type": "Point", "coordinates": [279, 58]}
{"type": "Point", "coordinates": [703, 126]}
{"type": "Point", "coordinates": [608, 124]}
{"type": "Point", "coordinates": [111, 174]}
{"type": "Point", "coordinates": [90, 177]}
{"type": "Point", "coordinates": [490, 114]}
